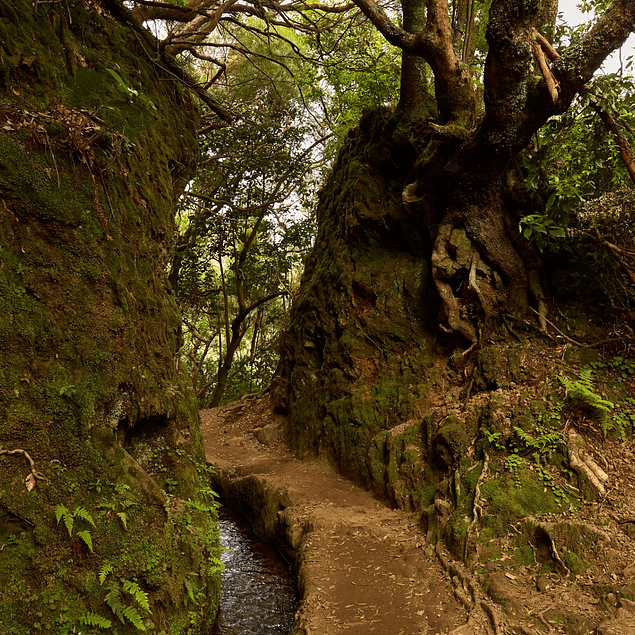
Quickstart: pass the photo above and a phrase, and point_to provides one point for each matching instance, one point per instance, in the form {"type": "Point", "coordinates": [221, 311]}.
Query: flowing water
{"type": "Point", "coordinates": [259, 594]}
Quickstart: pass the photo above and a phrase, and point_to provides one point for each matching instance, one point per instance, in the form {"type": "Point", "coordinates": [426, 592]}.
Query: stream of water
{"type": "Point", "coordinates": [259, 594]}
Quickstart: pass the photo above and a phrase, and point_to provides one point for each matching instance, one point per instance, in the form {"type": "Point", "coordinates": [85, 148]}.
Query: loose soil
{"type": "Point", "coordinates": [364, 568]}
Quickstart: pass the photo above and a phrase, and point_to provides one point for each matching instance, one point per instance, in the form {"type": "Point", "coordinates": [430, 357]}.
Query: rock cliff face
{"type": "Point", "coordinates": [96, 142]}
{"type": "Point", "coordinates": [355, 357]}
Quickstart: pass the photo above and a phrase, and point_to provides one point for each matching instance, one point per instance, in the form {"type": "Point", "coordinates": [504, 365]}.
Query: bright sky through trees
{"type": "Point", "coordinates": [573, 16]}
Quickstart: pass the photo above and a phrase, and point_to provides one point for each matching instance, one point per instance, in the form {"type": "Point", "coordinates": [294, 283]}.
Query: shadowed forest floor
{"type": "Point", "coordinates": [365, 568]}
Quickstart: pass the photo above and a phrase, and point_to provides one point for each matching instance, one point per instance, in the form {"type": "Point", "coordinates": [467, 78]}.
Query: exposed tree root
{"type": "Point", "coordinates": [536, 290]}
{"type": "Point", "coordinates": [477, 510]}
{"type": "Point", "coordinates": [584, 465]}
{"type": "Point", "coordinates": [31, 480]}
{"type": "Point", "coordinates": [560, 565]}
{"type": "Point", "coordinates": [468, 593]}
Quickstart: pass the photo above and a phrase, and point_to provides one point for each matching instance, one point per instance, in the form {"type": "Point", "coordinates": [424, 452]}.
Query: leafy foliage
{"type": "Point", "coordinates": [63, 514]}
{"type": "Point", "coordinates": [125, 599]}
{"type": "Point", "coordinates": [93, 619]}
{"type": "Point", "coordinates": [574, 158]}
{"type": "Point", "coordinates": [580, 390]}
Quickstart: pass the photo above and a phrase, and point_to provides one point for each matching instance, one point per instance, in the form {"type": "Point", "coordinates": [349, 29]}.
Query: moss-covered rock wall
{"type": "Point", "coordinates": [356, 355]}
{"type": "Point", "coordinates": [96, 142]}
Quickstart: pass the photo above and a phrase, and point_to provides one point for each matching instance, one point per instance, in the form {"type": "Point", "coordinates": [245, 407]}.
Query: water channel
{"type": "Point", "coordinates": [259, 593]}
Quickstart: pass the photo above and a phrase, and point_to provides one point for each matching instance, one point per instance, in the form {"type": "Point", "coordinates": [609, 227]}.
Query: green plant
{"type": "Point", "coordinates": [125, 598]}
{"type": "Point", "coordinates": [129, 93]}
{"type": "Point", "coordinates": [580, 389]}
{"type": "Point", "coordinates": [547, 480]}
{"type": "Point", "coordinates": [494, 439]}
{"type": "Point", "coordinates": [118, 504]}
{"type": "Point", "coordinates": [93, 619]}
{"type": "Point", "coordinates": [544, 444]}
{"type": "Point", "coordinates": [63, 514]}
{"type": "Point", "coordinates": [513, 464]}
{"type": "Point", "coordinates": [538, 227]}
{"type": "Point", "coordinates": [68, 391]}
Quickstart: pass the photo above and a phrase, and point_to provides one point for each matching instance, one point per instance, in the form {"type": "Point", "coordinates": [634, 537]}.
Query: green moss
{"type": "Point", "coordinates": [88, 335]}
{"type": "Point", "coordinates": [511, 498]}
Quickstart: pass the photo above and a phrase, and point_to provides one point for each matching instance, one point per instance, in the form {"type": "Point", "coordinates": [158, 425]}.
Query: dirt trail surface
{"type": "Point", "coordinates": [364, 568]}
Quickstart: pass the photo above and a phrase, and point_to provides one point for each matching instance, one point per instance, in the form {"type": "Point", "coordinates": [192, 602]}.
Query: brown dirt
{"type": "Point", "coordinates": [364, 568]}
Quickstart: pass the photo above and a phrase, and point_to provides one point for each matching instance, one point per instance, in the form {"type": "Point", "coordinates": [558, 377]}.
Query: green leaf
{"type": "Point", "coordinates": [132, 615]}
{"type": "Point", "coordinates": [140, 597]}
{"type": "Point", "coordinates": [93, 619]}
{"type": "Point", "coordinates": [60, 511]}
{"type": "Point", "coordinates": [122, 85]}
{"type": "Point", "coordinates": [80, 512]}
{"type": "Point", "coordinates": [124, 519]}
{"type": "Point", "coordinates": [69, 521]}
{"type": "Point", "coordinates": [86, 537]}
{"type": "Point", "coordinates": [104, 572]}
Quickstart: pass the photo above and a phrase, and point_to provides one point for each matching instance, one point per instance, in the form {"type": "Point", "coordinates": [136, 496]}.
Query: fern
{"type": "Point", "coordinates": [124, 519]}
{"type": "Point", "coordinates": [93, 619]}
{"type": "Point", "coordinates": [113, 599]}
{"type": "Point", "coordinates": [80, 512]}
{"type": "Point", "coordinates": [581, 389]}
{"type": "Point", "coordinates": [132, 615]}
{"type": "Point", "coordinates": [60, 512]}
{"type": "Point", "coordinates": [105, 570]}
{"type": "Point", "coordinates": [125, 611]}
{"type": "Point", "coordinates": [140, 597]}
{"type": "Point", "coordinates": [86, 538]}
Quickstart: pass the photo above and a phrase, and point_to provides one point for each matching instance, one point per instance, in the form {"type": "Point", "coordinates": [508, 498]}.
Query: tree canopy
{"type": "Point", "coordinates": [492, 91]}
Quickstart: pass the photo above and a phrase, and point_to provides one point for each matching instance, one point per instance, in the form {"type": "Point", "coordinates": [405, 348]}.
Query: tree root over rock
{"type": "Point", "coordinates": [585, 466]}
{"type": "Point", "coordinates": [31, 480]}
{"type": "Point", "coordinates": [468, 593]}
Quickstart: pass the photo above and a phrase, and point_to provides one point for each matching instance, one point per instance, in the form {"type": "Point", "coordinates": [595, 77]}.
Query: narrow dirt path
{"type": "Point", "coordinates": [363, 568]}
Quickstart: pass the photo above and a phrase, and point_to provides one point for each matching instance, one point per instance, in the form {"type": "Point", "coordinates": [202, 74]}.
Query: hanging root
{"type": "Point", "coordinates": [31, 480]}
{"type": "Point", "coordinates": [536, 290]}
{"type": "Point", "coordinates": [585, 466]}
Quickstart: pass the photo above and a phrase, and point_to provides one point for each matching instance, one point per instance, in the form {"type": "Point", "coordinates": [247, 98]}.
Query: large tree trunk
{"type": "Point", "coordinates": [90, 385]}
{"type": "Point", "coordinates": [417, 254]}
{"type": "Point", "coordinates": [355, 355]}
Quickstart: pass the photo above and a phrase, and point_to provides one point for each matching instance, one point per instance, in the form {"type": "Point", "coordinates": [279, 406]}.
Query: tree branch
{"type": "Point", "coordinates": [580, 60]}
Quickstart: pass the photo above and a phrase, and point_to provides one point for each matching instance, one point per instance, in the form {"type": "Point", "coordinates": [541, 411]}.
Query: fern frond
{"type": "Point", "coordinates": [124, 519]}
{"type": "Point", "coordinates": [113, 600]}
{"type": "Point", "coordinates": [93, 619]}
{"type": "Point", "coordinates": [69, 521]}
{"type": "Point", "coordinates": [60, 511]}
{"type": "Point", "coordinates": [104, 572]}
{"type": "Point", "coordinates": [132, 615]}
{"type": "Point", "coordinates": [80, 512]}
{"type": "Point", "coordinates": [140, 597]}
{"type": "Point", "coordinates": [87, 538]}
